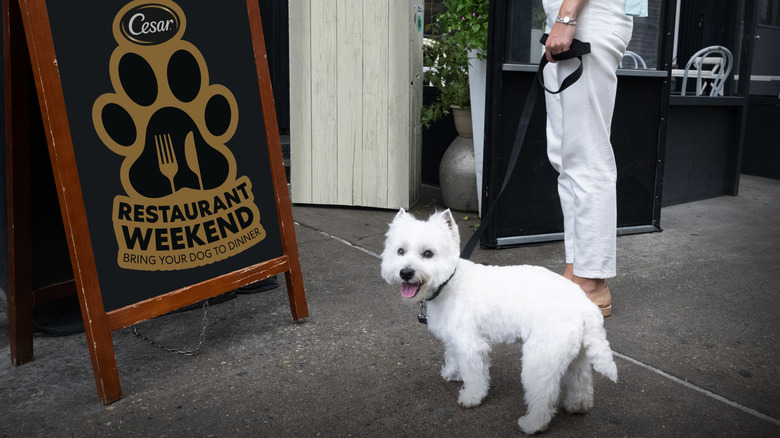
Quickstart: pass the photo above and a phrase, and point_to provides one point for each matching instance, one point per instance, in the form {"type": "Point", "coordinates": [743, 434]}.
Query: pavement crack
{"type": "Point", "coordinates": [701, 390]}
{"type": "Point", "coordinates": [342, 240]}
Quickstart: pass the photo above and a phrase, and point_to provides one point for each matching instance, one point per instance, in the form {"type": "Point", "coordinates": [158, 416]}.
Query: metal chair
{"type": "Point", "coordinates": [633, 56]}
{"type": "Point", "coordinates": [712, 66]}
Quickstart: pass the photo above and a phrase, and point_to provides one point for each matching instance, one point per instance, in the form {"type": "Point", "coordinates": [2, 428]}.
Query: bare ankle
{"type": "Point", "coordinates": [590, 285]}
{"type": "Point", "coordinates": [569, 272]}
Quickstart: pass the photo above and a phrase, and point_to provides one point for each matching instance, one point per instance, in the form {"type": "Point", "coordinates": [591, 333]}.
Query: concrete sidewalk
{"type": "Point", "coordinates": [694, 328]}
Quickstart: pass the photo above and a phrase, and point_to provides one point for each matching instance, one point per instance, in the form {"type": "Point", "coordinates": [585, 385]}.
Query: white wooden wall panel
{"type": "Point", "coordinates": [350, 101]}
{"type": "Point", "coordinates": [375, 95]}
{"type": "Point", "coordinates": [398, 106]}
{"type": "Point", "coordinates": [355, 132]}
{"type": "Point", "coordinates": [300, 101]}
{"type": "Point", "coordinates": [324, 130]}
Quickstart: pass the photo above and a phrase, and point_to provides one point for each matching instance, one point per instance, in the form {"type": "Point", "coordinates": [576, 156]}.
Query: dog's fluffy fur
{"type": "Point", "coordinates": [561, 330]}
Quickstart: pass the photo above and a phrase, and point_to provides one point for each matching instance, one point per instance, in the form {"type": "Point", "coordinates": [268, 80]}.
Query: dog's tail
{"type": "Point", "coordinates": [597, 347]}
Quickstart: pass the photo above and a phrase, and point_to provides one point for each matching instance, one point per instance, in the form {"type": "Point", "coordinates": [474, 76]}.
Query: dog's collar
{"type": "Point", "coordinates": [423, 316]}
{"type": "Point", "coordinates": [441, 286]}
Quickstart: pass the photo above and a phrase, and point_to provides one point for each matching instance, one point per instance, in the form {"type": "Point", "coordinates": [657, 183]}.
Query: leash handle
{"type": "Point", "coordinates": [576, 50]}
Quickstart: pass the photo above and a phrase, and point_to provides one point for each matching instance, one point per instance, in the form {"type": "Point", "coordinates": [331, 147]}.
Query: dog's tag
{"type": "Point", "coordinates": [423, 316]}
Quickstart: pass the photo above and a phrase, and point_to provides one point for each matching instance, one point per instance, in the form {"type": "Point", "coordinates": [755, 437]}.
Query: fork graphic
{"type": "Point", "coordinates": [166, 157]}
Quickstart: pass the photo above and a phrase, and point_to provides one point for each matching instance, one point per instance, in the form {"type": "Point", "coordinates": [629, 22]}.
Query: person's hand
{"type": "Point", "coordinates": [559, 40]}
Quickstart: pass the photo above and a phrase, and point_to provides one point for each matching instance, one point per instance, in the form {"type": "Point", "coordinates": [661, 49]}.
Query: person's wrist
{"type": "Point", "coordinates": [567, 20]}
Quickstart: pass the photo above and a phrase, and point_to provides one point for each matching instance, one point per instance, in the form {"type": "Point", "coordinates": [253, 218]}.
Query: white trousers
{"type": "Point", "coordinates": [578, 130]}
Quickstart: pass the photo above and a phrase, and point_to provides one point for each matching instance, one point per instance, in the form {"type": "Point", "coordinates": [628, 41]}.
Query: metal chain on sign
{"type": "Point", "coordinates": [173, 350]}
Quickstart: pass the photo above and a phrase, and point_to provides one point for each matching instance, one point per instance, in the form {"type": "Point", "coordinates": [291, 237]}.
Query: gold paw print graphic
{"type": "Point", "coordinates": [164, 116]}
{"type": "Point", "coordinates": [184, 205]}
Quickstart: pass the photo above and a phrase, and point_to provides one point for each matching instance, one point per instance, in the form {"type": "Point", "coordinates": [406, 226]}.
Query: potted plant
{"type": "Point", "coordinates": [459, 39]}
{"type": "Point", "coordinates": [458, 30]}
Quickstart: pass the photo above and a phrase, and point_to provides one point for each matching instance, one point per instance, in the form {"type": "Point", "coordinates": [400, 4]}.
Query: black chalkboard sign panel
{"type": "Point", "coordinates": [163, 139]}
{"type": "Point", "coordinates": [167, 127]}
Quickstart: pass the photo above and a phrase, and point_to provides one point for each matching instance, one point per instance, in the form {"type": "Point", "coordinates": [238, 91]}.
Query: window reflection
{"type": "Point", "coordinates": [769, 13]}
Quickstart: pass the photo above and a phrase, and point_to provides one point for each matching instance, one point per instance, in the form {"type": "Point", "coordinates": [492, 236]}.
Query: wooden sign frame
{"type": "Point", "coordinates": [99, 323]}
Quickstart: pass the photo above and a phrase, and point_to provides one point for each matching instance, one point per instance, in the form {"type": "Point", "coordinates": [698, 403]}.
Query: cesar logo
{"type": "Point", "coordinates": [149, 24]}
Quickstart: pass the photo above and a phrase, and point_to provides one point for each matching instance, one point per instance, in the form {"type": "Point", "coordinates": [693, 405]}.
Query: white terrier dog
{"type": "Point", "coordinates": [473, 307]}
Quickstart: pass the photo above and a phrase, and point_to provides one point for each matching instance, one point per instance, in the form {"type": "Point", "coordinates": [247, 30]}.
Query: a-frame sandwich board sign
{"type": "Point", "coordinates": [163, 140]}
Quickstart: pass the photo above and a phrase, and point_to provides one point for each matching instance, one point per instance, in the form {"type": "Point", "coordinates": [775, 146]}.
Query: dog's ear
{"type": "Point", "coordinates": [449, 220]}
{"type": "Point", "coordinates": [446, 216]}
{"type": "Point", "coordinates": [403, 216]}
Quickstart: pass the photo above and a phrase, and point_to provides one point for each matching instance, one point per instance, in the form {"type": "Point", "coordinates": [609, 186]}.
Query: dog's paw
{"type": "Point", "coordinates": [450, 373]}
{"type": "Point", "coordinates": [578, 399]}
{"type": "Point", "coordinates": [581, 406]}
{"type": "Point", "coordinates": [469, 398]}
{"type": "Point", "coordinates": [532, 425]}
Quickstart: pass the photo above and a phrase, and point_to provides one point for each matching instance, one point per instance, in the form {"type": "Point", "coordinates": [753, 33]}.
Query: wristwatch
{"type": "Point", "coordinates": [566, 20]}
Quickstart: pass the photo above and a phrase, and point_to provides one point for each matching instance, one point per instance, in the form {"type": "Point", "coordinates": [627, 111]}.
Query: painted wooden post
{"type": "Point", "coordinates": [355, 100]}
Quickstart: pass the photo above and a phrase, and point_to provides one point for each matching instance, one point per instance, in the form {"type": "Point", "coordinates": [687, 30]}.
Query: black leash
{"type": "Point", "coordinates": [576, 50]}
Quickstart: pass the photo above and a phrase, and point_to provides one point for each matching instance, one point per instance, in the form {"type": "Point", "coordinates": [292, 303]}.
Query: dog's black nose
{"type": "Point", "coordinates": [407, 274]}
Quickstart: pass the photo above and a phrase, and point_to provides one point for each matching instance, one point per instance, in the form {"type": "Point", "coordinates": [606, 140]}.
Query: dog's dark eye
{"type": "Point", "coordinates": [428, 254]}
{"type": "Point", "coordinates": [400, 251]}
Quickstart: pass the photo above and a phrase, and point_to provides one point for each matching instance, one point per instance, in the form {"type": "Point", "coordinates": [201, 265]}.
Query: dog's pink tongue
{"type": "Point", "coordinates": [409, 290]}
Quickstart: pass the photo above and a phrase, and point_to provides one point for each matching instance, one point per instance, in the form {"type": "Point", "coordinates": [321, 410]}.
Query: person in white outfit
{"type": "Point", "coordinates": [578, 135]}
